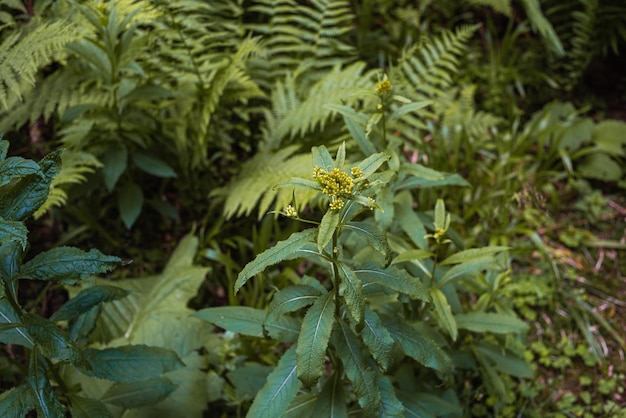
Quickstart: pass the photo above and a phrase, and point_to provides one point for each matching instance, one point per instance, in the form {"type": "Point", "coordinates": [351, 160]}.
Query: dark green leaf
{"type": "Point", "coordinates": [249, 379]}
{"type": "Point", "coordinates": [302, 406]}
{"type": "Point", "coordinates": [358, 133]}
{"type": "Point", "coordinates": [372, 234]}
{"type": "Point", "coordinates": [53, 343]}
{"type": "Point", "coordinates": [490, 322]}
{"type": "Point", "coordinates": [48, 406]}
{"type": "Point", "coordinates": [377, 338]}
{"type": "Point", "coordinates": [129, 203]}
{"type": "Point", "coordinates": [331, 402]}
{"type": "Point", "coordinates": [153, 165]}
{"type": "Point", "coordinates": [600, 166]}
{"type": "Point", "coordinates": [10, 260]}
{"type": "Point", "coordinates": [130, 363]}
{"type": "Point", "coordinates": [352, 290]}
{"type": "Point", "coordinates": [283, 250]}
{"type": "Point", "coordinates": [87, 408]}
{"type": "Point", "coordinates": [472, 254]}
{"type": "Point", "coordinates": [68, 265]}
{"type": "Point", "coordinates": [86, 300]}
{"type": "Point", "coordinates": [280, 389]}
{"type": "Point", "coordinates": [15, 167]}
{"type": "Point", "coordinates": [322, 158]}
{"type": "Point", "coordinates": [468, 269]}
{"type": "Point", "coordinates": [18, 335]}
{"type": "Point", "coordinates": [444, 313]}
{"type": "Point", "coordinates": [390, 405]}
{"type": "Point", "coordinates": [395, 279]}
{"type": "Point", "coordinates": [504, 361]}
{"type": "Point", "coordinates": [13, 231]}
{"type": "Point", "coordinates": [4, 148]}
{"type": "Point", "coordinates": [408, 220]}
{"type": "Point", "coordinates": [417, 346]}
{"type": "Point", "coordinates": [283, 328]}
{"type": "Point", "coordinates": [355, 366]}
{"type": "Point", "coordinates": [17, 402]}
{"type": "Point", "coordinates": [136, 395]}
{"type": "Point", "coordinates": [327, 228]}
{"type": "Point", "coordinates": [241, 319]}
{"type": "Point", "coordinates": [115, 160]}
{"type": "Point", "coordinates": [314, 337]}
{"type": "Point", "coordinates": [292, 298]}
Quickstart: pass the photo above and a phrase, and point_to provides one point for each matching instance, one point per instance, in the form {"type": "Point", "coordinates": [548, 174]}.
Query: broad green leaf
{"type": "Point", "coordinates": [115, 160]}
{"type": "Point", "coordinates": [13, 231]}
{"type": "Point", "coordinates": [87, 408]}
{"type": "Point", "coordinates": [408, 220]}
{"type": "Point", "coordinates": [390, 405]}
{"type": "Point", "coordinates": [468, 269]}
{"type": "Point", "coordinates": [240, 319]}
{"type": "Point", "coordinates": [327, 228]}
{"type": "Point", "coordinates": [16, 335]}
{"type": "Point", "coordinates": [352, 290]}
{"type": "Point", "coordinates": [130, 363]}
{"type": "Point", "coordinates": [292, 298]}
{"type": "Point", "coordinates": [280, 389]}
{"type": "Point", "coordinates": [67, 265]}
{"type": "Point", "coordinates": [472, 254]}
{"type": "Point", "coordinates": [425, 183]}
{"type": "Point", "coordinates": [331, 402]}
{"type": "Point", "coordinates": [299, 182]}
{"type": "Point", "coordinates": [490, 322]}
{"type": "Point", "coordinates": [377, 339]}
{"type": "Point", "coordinates": [27, 194]}
{"type": "Point", "coordinates": [322, 158]}
{"type": "Point", "coordinates": [10, 261]}
{"type": "Point", "coordinates": [504, 361]}
{"type": "Point", "coordinates": [407, 108]}
{"type": "Point", "coordinates": [358, 134]}
{"type": "Point", "coordinates": [411, 255]}
{"type": "Point", "coordinates": [138, 394]}
{"type": "Point", "coordinates": [340, 159]}
{"type": "Point", "coordinates": [444, 313]}
{"type": "Point", "coordinates": [609, 136]}
{"type": "Point", "coordinates": [153, 165]}
{"type": "Point", "coordinates": [129, 203]}
{"type": "Point", "coordinates": [372, 234]}
{"type": "Point", "coordinates": [355, 366]}
{"type": "Point", "coordinates": [87, 299]}
{"type": "Point", "coordinates": [15, 167]}
{"type": "Point", "coordinates": [48, 406]}
{"type": "Point", "coordinates": [283, 250]}
{"type": "Point", "coordinates": [283, 328]}
{"type": "Point", "coordinates": [395, 279]}
{"type": "Point", "coordinates": [369, 165]}
{"type": "Point", "coordinates": [17, 401]}
{"type": "Point", "coordinates": [302, 406]}
{"type": "Point", "coordinates": [313, 339]}
{"type": "Point", "coordinates": [599, 166]}
{"type": "Point", "coordinates": [53, 342]}
{"type": "Point", "coordinates": [249, 379]}
{"type": "Point", "coordinates": [419, 347]}
{"type": "Point", "coordinates": [421, 403]}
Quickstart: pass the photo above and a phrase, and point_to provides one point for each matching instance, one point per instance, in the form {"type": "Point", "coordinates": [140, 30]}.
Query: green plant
{"type": "Point", "coordinates": [47, 348]}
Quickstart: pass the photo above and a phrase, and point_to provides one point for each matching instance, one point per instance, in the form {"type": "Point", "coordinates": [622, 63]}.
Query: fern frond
{"type": "Point", "coordinates": [459, 113]}
{"type": "Point", "coordinates": [500, 6]}
{"type": "Point", "coordinates": [74, 166]}
{"type": "Point", "coordinates": [24, 53]}
{"type": "Point", "coordinates": [256, 182]}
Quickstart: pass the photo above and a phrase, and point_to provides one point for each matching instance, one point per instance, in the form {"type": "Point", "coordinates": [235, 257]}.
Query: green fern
{"type": "Point", "coordinates": [500, 6]}
{"type": "Point", "coordinates": [74, 166]}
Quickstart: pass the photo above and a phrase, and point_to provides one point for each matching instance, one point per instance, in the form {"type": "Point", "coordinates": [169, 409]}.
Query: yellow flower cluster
{"type": "Point", "coordinates": [383, 87]}
{"type": "Point", "coordinates": [356, 172]}
{"type": "Point", "coordinates": [291, 212]}
{"type": "Point", "coordinates": [335, 184]}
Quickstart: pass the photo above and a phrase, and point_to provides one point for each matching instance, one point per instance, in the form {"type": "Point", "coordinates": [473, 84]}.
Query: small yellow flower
{"type": "Point", "coordinates": [383, 87]}
{"type": "Point", "coordinates": [291, 212]}
{"type": "Point", "coordinates": [356, 172]}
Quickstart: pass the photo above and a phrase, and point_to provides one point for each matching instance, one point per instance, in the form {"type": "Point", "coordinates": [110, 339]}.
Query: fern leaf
{"type": "Point", "coordinates": [500, 6]}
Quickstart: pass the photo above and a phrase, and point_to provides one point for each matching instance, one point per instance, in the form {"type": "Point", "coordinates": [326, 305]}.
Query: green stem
{"type": "Point", "coordinates": [384, 120]}
{"type": "Point", "coordinates": [336, 279]}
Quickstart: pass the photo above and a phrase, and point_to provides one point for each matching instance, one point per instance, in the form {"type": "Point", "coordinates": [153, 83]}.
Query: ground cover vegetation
{"type": "Point", "coordinates": [270, 208]}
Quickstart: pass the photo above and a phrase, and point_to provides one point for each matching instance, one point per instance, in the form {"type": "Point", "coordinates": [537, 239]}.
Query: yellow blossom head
{"type": "Point", "coordinates": [383, 87]}
{"type": "Point", "coordinates": [335, 184]}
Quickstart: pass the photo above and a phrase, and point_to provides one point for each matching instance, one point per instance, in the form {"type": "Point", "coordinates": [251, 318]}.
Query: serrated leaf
{"type": "Point", "coordinates": [153, 165]}
{"type": "Point", "coordinates": [468, 269]}
{"type": "Point", "coordinates": [377, 339]}
{"type": "Point", "coordinates": [362, 377]}
{"type": "Point", "coordinates": [302, 406]}
{"type": "Point", "coordinates": [369, 165]}
{"type": "Point", "coordinates": [249, 379]}
{"type": "Point", "coordinates": [390, 405]}
{"type": "Point", "coordinates": [87, 299]}
{"type": "Point", "coordinates": [17, 402]}
{"type": "Point", "coordinates": [419, 347]}
{"type": "Point", "coordinates": [292, 298]}
{"type": "Point", "coordinates": [490, 322]}
{"type": "Point", "coordinates": [356, 130]}
{"type": "Point", "coordinates": [283, 328]}
{"type": "Point", "coordinates": [331, 401]}
{"type": "Point", "coordinates": [280, 389]}
{"type": "Point", "coordinates": [444, 313]}
{"type": "Point", "coordinates": [372, 234]}
{"type": "Point", "coordinates": [322, 158]}
{"type": "Point", "coordinates": [409, 221]}
{"type": "Point", "coordinates": [115, 160]}
{"type": "Point", "coordinates": [13, 231]}
{"type": "Point", "coordinates": [352, 291]}
{"type": "Point", "coordinates": [15, 167]}
{"type": "Point", "coordinates": [240, 319]}
{"type": "Point", "coordinates": [67, 265]}
{"type": "Point", "coordinates": [313, 340]}
{"type": "Point", "coordinates": [472, 254]}
{"type": "Point", "coordinates": [17, 335]}
{"type": "Point", "coordinates": [138, 394]}
{"type": "Point", "coordinates": [53, 342]}
{"type": "Point", "coordinates": [130, 363]}
{"type": "Point", "coordinates": [87, 408]}
{"type": "Point", "coordinates": [327, 228]}
{"type": "Point", "coordinates": [129, 203]}
{"type": "Point", "coordinates": [48, 406]}
{"type": "Point", "coordinates": [283, 250]}
{"type": "Point", "coordinates": [394, 279]}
